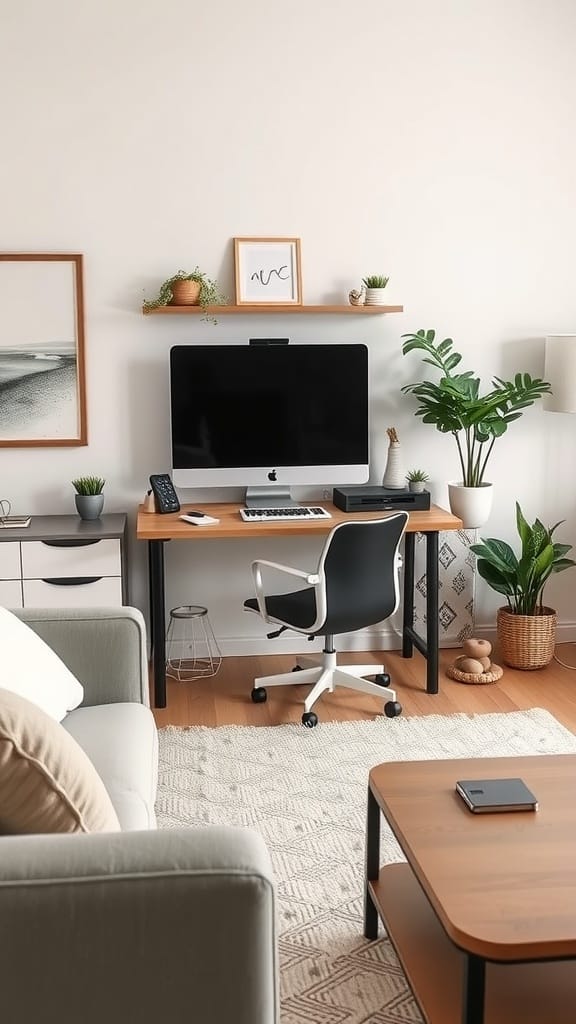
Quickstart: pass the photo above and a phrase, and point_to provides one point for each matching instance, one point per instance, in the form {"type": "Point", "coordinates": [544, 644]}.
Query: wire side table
{"type": "Point", "coordinates": [191, 648]}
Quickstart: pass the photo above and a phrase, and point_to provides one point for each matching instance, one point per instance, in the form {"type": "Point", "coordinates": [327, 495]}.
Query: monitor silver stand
{"type": "Point", "coordinates": [269, 497]}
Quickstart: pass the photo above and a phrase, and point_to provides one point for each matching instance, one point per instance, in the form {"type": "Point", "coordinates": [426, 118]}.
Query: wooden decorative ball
{"type": "Point", "coordinates": [474, 648]}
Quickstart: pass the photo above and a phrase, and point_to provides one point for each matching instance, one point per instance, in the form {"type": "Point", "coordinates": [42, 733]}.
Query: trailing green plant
{"type": "Point", "coordinates": [522, 580]}
{"type": "Point", "coordinates": [416, 475]}
{"type": "Point", "coordinates": [455, 406]}
{"type": "Point", "coordinates": [375, 281]}
{"type": "Point", "coordinates": [210, 294]}
{"type": "Point", "coordinates": [89, 485]}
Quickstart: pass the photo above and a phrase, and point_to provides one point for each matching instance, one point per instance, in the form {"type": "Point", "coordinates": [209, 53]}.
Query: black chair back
{"type": "Point", "coordinates": [361, 579]}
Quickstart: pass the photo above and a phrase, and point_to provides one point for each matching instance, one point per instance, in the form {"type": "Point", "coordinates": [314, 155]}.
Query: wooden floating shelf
{"type": "Point", "coordinates": [261, 308]}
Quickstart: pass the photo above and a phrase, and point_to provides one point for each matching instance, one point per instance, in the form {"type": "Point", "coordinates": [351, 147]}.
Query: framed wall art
{"type": "Point", "coordinates": [42, 373]}
{"type": "Point", "coordinates": [267, 271]}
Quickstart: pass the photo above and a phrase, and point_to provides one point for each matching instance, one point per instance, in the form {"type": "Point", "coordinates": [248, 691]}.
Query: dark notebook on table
{"type": "Point", "coordinates": [484, 796]}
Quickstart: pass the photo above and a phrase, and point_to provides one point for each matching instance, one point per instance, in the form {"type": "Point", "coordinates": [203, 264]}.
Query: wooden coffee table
{"type": "Point", "coordinates": [483, 915]}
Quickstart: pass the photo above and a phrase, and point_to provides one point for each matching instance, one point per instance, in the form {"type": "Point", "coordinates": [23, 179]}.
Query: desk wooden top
{"type": "Point", "coordinates": [503, 885]}
{"type": "Point", "coordinates": [152, 526]}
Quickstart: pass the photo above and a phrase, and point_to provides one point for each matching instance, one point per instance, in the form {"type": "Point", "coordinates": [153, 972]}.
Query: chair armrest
{"type": "Point", "coordinates": [261, 563]}
{"type": "Point", "coordinates": [105, 648]}
{"type": "Point", "coordinates": [153, 926]}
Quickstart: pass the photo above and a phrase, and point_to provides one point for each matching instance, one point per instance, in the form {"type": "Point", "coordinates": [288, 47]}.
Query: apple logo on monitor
{"type": "Point", "coordinates": [272, 475]}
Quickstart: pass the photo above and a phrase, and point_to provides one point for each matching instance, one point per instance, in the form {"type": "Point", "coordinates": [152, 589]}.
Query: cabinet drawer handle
{"type": "Point", "coordinates": [69, 543]}
{"type": "Point", "coordinates": [71, 581]}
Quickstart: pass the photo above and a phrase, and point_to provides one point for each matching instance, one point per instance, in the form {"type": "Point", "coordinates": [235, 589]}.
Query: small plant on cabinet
{"type": "Point", "coordinates": [417, 476]}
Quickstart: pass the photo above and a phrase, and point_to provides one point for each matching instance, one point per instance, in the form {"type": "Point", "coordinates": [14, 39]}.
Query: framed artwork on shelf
{"type": "Point", "coordinates": [42, 371]}
{"type": "Point", "coordinates": [267, 271]}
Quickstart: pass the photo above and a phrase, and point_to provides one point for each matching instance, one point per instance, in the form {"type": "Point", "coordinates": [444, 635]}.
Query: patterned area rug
{"type": "Point", "coordinates": [305, 792]}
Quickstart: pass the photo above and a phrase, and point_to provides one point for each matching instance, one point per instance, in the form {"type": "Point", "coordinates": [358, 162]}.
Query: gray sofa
{"type": "Point", "coordinates": [140, 926]}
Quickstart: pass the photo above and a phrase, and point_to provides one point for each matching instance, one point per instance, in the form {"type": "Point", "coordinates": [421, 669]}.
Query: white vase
{"type": "Point", "coordinates": [471, 504]}
{"type": "Point", "coordinates": [376, 297]}
{"type": "Point", "coordinates": [394, 474]}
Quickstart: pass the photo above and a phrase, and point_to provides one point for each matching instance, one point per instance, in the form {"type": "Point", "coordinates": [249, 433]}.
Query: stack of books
{"type": "Point", "coordinates": [16, 522]}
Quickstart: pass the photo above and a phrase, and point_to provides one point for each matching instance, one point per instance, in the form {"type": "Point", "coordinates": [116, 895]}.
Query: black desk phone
{"type": "Point", "coordinates": [164, 493]}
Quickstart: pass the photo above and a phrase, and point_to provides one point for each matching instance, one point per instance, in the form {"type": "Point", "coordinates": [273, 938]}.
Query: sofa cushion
{"type": "Point", "coordinates": [47, 782]}
{"type": "Point", "coordinates": [32, 669]}
{"type": "Point", "coordinates": [121, 740]}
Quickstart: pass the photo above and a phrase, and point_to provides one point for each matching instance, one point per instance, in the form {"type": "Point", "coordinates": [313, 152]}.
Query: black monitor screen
{"type": "Point", "coordinates": [269, 405]}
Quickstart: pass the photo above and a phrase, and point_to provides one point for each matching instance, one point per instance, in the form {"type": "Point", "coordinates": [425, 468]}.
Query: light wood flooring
{"type": "Point", "coordinates": [225, 698]}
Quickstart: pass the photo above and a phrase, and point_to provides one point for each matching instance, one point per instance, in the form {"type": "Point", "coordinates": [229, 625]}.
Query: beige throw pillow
{"type": "Point", "coordinates": [47, 782]}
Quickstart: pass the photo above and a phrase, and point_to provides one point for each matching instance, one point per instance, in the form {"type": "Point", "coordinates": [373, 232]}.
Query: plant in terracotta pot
{"type": "Point", "coordinates": [89, 498]}
{"type": "Point", "coordinates": [185, 288]}
{"type": "Point", "coordinates": [526, 627]}
{"type": "Point", "coordinates": [454, 405]}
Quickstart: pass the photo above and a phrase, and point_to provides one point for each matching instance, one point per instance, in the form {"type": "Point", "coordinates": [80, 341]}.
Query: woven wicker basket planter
{"type": "Point", "coordinates": [526, 641]}
{"type": "Point", "coordinates": [185, 293]}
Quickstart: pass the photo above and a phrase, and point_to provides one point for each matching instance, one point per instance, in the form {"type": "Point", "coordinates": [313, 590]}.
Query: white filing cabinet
{"type": "Point", "coordinates": [64, 561]}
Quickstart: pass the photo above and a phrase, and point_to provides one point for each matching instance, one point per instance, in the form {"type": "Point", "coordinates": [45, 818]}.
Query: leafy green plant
{"type": "Point", "coordinates": [455, 406]}
{"type": "Point", "coordinates": [522, 580]}
{"type": "Point", "coordinates": [416, 475]}
{"type": "Point", "coordinates": [375, 281]}
{"type": "Point", "coordinates": [89, 485]}
{"type": "Point", "coordinates": [210, 294]}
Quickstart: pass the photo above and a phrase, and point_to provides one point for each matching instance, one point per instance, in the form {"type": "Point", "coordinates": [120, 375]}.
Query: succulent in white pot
{"type": "Point", "coordinates": [416, 478]}
{"type": "Point", "coordinates": [375, 285]}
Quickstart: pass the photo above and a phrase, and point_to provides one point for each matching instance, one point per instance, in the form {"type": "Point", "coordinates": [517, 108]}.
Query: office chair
{"type": "Point", "coordinates": [355, 585]}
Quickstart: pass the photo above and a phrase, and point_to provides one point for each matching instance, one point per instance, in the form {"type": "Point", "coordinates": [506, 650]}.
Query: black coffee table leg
{"type": "Point", "coordinates": [372, 865]}
{"type": "Point", "coordinates": [473, 988]}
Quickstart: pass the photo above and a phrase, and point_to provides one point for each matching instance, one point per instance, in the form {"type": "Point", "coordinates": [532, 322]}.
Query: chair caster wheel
{"type": "Point", "coordinates": [259, 695]}
{"type": "Point", "coordinates": [392, 709]}
{"type": "Point", "coordinates": [382, 679]}
{"type": "Point", "coordinates": [309, 719]}
{"type": "Point", "coordinates": [297, 668]}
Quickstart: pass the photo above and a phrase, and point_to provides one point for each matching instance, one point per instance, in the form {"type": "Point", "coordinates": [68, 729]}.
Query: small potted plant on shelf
{"type": "Point", "coordinates": [89, 498]}
{"type": "Point", "coordinates": [375, 286]}
{"type": "Point", "coordinates": [526, 628]}
{"type": "Point", "coordinates": [416, 479]}
{"type": "Point", "coordinates": [455, 406]}
{"type": "Point", "coordinates": [188, 289]}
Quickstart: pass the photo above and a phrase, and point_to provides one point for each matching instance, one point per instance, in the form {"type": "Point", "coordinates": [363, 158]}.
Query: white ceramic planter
{"type": "Point", "coordinates": [416, 486]}
{"type": "Point", "coordinates": [376, 297]}
{"type": "Point", "coordinates": [471, 504]}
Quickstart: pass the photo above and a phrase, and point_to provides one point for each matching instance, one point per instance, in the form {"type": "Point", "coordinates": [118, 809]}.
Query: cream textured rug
{"type": "Point", "coordinates": [304, 790]}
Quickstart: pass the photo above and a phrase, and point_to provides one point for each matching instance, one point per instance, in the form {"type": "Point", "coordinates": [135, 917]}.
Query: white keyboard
{"type": "Point", "coordinates": [270, 515]}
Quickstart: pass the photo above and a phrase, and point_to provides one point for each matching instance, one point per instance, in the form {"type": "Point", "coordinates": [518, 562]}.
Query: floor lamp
{"type": "Point", "coordinates": [560, 371]}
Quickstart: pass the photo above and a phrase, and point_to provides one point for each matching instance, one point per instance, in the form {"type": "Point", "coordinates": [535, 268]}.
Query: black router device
{"type": "Point", "coordinates": [380, 499]}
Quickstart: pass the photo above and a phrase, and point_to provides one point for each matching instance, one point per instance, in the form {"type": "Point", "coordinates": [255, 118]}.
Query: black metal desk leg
{"type": "Point", "coordinates": [408, 602]}
{"type": "Point", "coordinates": [372, 865]}
{"type": "Point", "coordinates": [473, 989]}
{"type": "Point", "coordinates": [157, 619]}
{"type": "Point", "coordinates": [432, 624]}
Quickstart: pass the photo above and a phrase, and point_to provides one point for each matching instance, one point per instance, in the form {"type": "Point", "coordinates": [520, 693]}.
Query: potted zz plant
{"type": "Point", "coordinates": [89, 498]}
{"type": "Point", "coordinates": [185, 288]}
{"type": "Point", "coordinates": [455, 406]}
{"type": "Point", "coordinates": [526, 628]}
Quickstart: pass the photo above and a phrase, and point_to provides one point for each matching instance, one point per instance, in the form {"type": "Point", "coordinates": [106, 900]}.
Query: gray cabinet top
{"type": "Point", "coordinates": [72, 528]}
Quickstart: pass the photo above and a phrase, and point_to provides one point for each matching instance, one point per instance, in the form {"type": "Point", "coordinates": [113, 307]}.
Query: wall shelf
{"type": "Point", "coordinates": [225, 310]}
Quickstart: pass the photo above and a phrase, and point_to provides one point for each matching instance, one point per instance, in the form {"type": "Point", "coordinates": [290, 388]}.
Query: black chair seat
{"type": "Point", "coordinates": [298, 608]}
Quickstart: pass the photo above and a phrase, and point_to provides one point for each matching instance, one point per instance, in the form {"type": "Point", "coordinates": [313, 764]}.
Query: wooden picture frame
{"type": "Point", "coordinates": [267, 272]}
{"type": "Point", "coordinates": [42, 369]}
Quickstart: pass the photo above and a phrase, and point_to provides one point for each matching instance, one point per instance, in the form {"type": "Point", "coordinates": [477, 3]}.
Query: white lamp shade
{"type": "Point", "coordinates": [560, 371]}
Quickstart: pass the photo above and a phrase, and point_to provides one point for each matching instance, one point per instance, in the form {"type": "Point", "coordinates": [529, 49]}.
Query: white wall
{"type": "Point", "coordinates": [432, 142]}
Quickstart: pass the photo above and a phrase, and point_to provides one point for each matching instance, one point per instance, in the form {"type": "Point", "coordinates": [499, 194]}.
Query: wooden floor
{"type": "Point", "coordinates": [225, 698]}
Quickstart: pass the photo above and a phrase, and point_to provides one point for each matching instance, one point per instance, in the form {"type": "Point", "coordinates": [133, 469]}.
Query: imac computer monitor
{"type": "Point", "coordinates": [269, 416]}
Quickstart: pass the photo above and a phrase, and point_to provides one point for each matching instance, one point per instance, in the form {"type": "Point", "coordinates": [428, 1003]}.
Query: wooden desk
{"type": "Point", "coordinates": [482, 897]}
{"type": "Point", "coordinates": [157, 529]}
